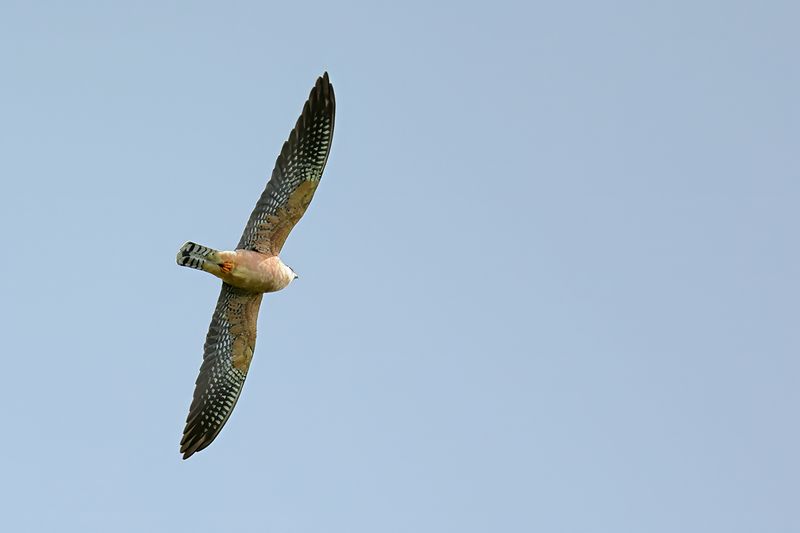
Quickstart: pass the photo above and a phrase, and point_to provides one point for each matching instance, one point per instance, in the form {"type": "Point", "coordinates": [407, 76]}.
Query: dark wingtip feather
{"type": "Point", "coordinates": [323, 91]}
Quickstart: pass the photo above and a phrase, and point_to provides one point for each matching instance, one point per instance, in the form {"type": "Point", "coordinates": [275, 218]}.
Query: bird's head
{"type": "Point", "coordinates": [291, 273]}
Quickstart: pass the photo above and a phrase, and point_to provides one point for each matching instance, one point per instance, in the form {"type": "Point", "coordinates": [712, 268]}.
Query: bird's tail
{"type": "Point", "coordinates": [193, 255]}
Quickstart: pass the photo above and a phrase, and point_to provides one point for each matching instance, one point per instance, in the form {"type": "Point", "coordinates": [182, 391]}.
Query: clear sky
{"type": "Point", "coordinates": [550, 281]}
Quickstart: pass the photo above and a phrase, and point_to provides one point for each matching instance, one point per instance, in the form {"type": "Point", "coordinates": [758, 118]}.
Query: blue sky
{"type": "Point", "coordinates": [549, 281]}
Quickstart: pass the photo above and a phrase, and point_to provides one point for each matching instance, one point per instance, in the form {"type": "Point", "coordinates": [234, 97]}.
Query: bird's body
{"type": "Point", "coordinates": [243, 269]}
{"type": "Point", "coordinates": [254, 268]}
{"type": "Point", "coordinates": [257, 272]}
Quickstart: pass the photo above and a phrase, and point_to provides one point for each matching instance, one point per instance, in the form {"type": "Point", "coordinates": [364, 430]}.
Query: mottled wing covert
{"type": "Point", "coordinates": [296, 175]}
{"type": "Point", "coordinates": [228, 350]}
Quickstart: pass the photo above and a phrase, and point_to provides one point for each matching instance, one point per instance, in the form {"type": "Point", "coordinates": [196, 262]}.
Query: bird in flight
{"type": "Point", "coordinates": [254, 268]}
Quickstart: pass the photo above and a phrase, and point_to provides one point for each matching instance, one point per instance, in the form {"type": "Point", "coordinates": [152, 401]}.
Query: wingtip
{"type": "Point", "coordinates": [324, 88]}
{"type": "Point", "coordinates": [184, 449]}
{"type": "Point", "coordinates": [323, 82]}
{"type": "Point", "coordinates": [189, 448]}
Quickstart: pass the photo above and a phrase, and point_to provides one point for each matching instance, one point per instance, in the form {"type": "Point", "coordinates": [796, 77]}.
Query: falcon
{"type": "Point", "coordinates": [254, 268]}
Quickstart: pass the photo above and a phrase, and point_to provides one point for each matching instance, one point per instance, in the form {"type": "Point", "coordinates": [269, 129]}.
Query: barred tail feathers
{"type": "Point", "coordinates": [194, 255]}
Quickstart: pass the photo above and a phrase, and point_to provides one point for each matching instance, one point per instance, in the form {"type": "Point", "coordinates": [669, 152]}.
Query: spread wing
{"type": "Point", "coordinates": [228, 350]}
{"type": "Point", "coordinates": [296, 175]}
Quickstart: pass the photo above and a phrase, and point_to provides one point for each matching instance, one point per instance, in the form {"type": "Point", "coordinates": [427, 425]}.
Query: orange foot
{"type": "Point", "coordinates": [227, 267]}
